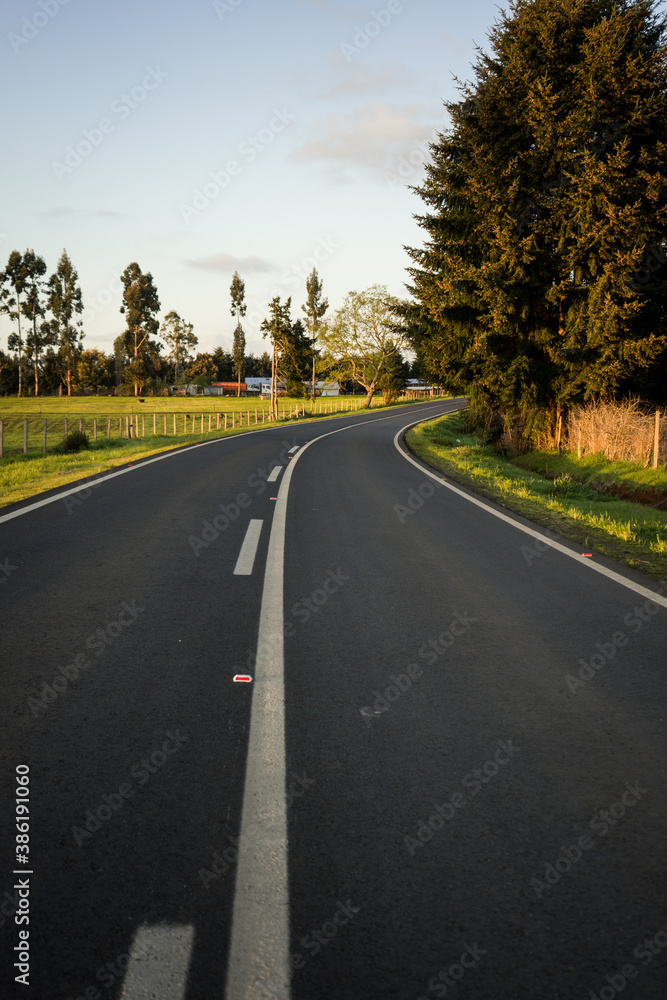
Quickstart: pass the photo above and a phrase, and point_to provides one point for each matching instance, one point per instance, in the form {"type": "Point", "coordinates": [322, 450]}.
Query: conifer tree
{"type": "Point", "coordinates": [542, 282]}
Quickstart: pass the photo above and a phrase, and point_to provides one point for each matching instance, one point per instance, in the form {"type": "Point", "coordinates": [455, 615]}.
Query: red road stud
{"type": "Point", "coordinates": [242, 678]}
{"type": "Point", "coordinates": [589, 555]}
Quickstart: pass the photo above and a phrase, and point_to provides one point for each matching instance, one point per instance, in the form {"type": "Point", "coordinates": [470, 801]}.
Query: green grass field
{"type": "Point", "coordinates": [24, 475]}
{"type": "Point", "coordinates": [120, 417]}
{"type": "Point", "coordinates": [626, 531]}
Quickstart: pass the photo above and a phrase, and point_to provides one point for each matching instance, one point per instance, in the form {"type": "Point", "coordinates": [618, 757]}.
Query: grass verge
{"type": "Point", "coordinates": [628, 532]}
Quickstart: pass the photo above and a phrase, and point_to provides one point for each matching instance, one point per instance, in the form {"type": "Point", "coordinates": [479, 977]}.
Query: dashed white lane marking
{"type": "Point", "coordinates": [246, 559]}
{"type": "Point", "coordinates": [259, 957]}
{"type": "Point", "coordinates": [273, 475]}
{"type": "Point", "coordinates": [159, 962]}
{"type": "Point", "coordinates": [581, 559]}
{"type": "Point", "coordinates": [295, 448]}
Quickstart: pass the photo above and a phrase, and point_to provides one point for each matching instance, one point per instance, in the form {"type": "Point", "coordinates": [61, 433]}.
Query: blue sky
{"type": "Point", "coordinates": [199, 138]}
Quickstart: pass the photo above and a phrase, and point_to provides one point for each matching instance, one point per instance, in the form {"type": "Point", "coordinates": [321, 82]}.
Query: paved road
{"type": "Point", "coordinates": [472, 738]}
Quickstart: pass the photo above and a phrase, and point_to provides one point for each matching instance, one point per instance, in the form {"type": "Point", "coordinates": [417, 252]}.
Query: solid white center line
{"type": "Point", "coordinates": [273, 475]}
{"type": "Point", "coordinates": [246, 559]}
{"type": "Point", "coordinates": [159, 961]}
{"type": "Point", "coordinates": [259, 956]}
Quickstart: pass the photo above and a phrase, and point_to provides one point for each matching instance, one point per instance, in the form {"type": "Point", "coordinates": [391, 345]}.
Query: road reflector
{"type": "Point", "coordinates": [589, 555]}
{"type": "Point", "coordinates": [242, 678]}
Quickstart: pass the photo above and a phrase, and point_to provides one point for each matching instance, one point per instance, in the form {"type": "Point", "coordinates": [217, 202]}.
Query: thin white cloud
{"type": "Point", "coordinates": [65, 212]}
{"type": "Point", "coordinates": [373, 137]}
{"type": "Point", "coordinates": [227, 262]}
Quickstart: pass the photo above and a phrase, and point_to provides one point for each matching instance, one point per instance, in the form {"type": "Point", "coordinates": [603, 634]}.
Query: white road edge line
{"type": "Point", "coordinates": [259, 959]}
{"type": "Point", "coordinates": [582, 560]}
{"type": "Point", "coordinates": [246, 559]}
{"type": "Point", "coordinates": [273, 475]}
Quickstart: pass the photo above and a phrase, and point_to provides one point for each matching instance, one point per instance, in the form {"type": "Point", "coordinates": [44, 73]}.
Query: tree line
{"type": "Point", "coordinates": [360, 344]}
{"type": "Point", "coordinates": [542, 281]}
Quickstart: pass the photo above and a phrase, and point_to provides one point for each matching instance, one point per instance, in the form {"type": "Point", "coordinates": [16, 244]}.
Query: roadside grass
{"type": "Point", "coordinates": [593, 470]}
{"type": "Point", "coordinates": [628, 532]}
{"type": "Point", "coordinates": [24, 476]}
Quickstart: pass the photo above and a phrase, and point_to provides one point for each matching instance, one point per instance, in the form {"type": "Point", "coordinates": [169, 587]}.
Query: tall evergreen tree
{"type": "Point", "coordinates": [34, 309]}
{"type": "Point", "coordinates": [180, 339]}
{"type": "Point", "coordinates": [276, 325]}
{"type": "Point", "coordinates": [16, 276]}
{"type": "Point", "coordinates": [315, 309]}
{"type": "Point", "coordinates": [140, 307]}
{"type": "Point", "coordinates": [547, 197]}
{"type": "Point", "coordinates": [237, 292]}
{"type": "Point", "coordinates": [65, 304]}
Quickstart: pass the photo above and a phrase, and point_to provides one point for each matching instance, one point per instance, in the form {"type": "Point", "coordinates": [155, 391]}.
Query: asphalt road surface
{"type": "Point", "coordinates": [445, 777]}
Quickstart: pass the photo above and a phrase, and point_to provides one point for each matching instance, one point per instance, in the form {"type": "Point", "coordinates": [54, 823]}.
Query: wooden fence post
{"type": "Point", "coordinates": [185, 423]}
{"type": "Point", "coordinates": [579, 436]}
{"type": "Point", "coordinates": [94, 430]}
{"type": "Point", "coordinates": [120, 428]}
{"type": "Point", "coordinates": [25, 437]}
{"type": "Point", "coordinates": [174, 424]}
{"type": "Point", "coordinates": [217, 423]}
{"type": "Point", "coordinates": [154, 424]}
{"type": "Point", "coordinates": [80, 425]}
{"type": "Point", "coordinates": [210, 416]}
{"type": "Point", "coordinates": [44, 437]}
{"type": "Point", "coordinates": [656, 439]}
{"type": "Point", "coordinates": [108, 428]}
{"type": "Point", "coordinates": [65, 426]}
{"type": "Point", "coordinates": [225, 421]}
